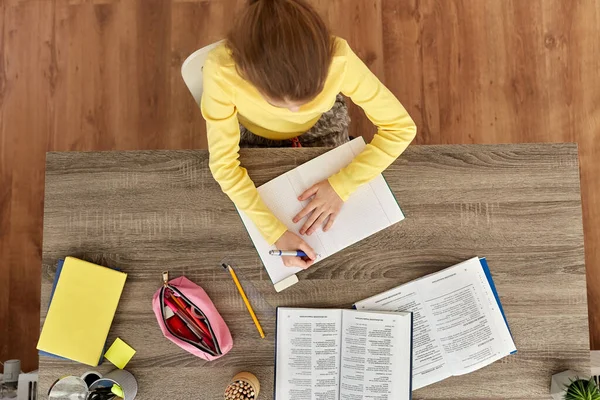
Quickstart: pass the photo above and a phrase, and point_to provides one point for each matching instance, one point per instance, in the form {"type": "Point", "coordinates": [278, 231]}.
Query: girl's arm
{"type": "Point", "coordinates": [223, 134]}
{"type": "Point", "coordinates": [395, 128]}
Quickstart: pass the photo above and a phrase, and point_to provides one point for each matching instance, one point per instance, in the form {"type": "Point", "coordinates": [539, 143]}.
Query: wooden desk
{"type": "Point", "coordinates": [143, 212]}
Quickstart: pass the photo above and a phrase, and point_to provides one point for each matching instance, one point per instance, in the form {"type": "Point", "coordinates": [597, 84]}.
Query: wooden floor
{"type": "Point", "coordinates": [104, 75]}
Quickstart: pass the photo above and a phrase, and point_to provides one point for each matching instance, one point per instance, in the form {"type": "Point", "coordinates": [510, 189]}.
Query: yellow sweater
{"type": "Point", "coordinates": [228, 99]}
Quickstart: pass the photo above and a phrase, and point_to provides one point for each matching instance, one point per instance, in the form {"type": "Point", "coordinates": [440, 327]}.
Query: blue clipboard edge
{"type": "Point", "coordinates": [410, 379]}
{"type": "Point", "coordinates": [488, 275]}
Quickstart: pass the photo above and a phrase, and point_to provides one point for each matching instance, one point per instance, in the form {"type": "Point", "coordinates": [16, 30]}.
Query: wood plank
{"type": "Point", "coordinates": [518, 205]}
{"type": "Point", "coordinates": [6, 163]}
{"type": "Point", "coordinates": [29, 78]}
{"type": "Point", "coordinates": [86, 97]}
{"type": "Point", "coordinates": [404, 74]}
{"type": "Point", "coordinates": [491, 72]}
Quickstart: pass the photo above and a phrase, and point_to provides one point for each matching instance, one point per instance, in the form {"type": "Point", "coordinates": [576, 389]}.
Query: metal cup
{"type": "Point", "coordinates": [123, 378]}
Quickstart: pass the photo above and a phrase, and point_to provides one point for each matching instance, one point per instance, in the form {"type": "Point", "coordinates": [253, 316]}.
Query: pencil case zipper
{"type": "Point", "coordinates": [208, 324]}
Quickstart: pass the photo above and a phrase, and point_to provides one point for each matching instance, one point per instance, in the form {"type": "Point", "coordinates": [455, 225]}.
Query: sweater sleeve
{"type": "Point", "coordinates": [223, 134]}
{"type": "Point", "coordinates": [395, 128]}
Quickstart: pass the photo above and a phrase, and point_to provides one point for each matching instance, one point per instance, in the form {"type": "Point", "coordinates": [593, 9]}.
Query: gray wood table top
{"type": "Point", "coordinates": [147, 211]}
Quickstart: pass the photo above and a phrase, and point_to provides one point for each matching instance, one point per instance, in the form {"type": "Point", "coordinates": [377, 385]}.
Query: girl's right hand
{"type": "Point", "coordinates": [293, 242]}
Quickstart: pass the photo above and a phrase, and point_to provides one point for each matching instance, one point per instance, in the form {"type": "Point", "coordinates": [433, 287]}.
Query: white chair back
{"type": "Point", "coordinates": [191, 70]}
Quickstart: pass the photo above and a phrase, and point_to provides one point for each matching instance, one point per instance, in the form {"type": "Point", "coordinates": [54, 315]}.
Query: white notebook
{"type": "Point", "coordinates": [371, 208]}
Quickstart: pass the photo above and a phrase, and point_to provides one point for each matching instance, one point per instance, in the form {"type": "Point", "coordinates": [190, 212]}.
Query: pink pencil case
{"type": "Point", "coordinates": [188, 318]}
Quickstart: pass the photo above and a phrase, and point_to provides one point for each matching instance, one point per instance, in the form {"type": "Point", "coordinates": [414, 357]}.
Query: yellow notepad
{"type": "Point", "coordinates": [81, 311]}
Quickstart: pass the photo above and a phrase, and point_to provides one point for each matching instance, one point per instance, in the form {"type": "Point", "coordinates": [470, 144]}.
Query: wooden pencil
{"type": "Point", "coordinates": [246, 301]}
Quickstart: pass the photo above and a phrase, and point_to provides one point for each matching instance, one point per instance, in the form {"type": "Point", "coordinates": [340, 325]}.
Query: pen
{"type": "Point", "coordinates": [243, 294]}
{"type": "Point", "coordinates": [284, 253]}
{"type": "Point", "coordinates": [189, 322]}
{"type": "Point", "coordinates": [178, 301]}
{"type": "Point", "coordinates": [190, 314]}
{"type": "Point", "coordinates": [199, 322]}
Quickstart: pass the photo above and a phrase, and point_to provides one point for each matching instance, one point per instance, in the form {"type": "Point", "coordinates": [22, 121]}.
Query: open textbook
{"type": "Point", "coordinates": [342, 355]}
{"type": "Point", "coordinates": [459, 325]}
{"type": "Point", "coordinates": [371, 208]}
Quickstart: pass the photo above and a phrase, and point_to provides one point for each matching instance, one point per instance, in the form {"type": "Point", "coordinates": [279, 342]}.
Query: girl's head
{"type": "Point", "coordinates": [284, 49]}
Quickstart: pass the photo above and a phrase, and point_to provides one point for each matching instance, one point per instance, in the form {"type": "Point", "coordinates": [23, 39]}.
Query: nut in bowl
{"type": "Point", "coordinates": [243, 386]}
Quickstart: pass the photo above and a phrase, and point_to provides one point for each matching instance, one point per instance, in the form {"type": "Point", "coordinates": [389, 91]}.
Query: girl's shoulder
{"type": "Point", "coordinates": [341, 47]}
{"type": "Point", "coordinates": [341, 53]}
{"type": "Point", "coordinates": [220, 65]}
{"type": "Point", "coordinates": [221, 56]}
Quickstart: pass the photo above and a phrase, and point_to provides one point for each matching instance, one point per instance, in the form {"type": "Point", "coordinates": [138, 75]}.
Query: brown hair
{"type": "Point", "coordinates": [283, 48]}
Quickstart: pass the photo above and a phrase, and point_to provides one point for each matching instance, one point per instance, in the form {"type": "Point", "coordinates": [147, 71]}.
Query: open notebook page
{"type": "Point", "coordinates": [371, 208]}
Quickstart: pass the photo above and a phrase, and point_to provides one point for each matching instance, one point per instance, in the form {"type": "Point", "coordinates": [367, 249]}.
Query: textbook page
{"type": "Point", "coordinates": [308, 354]}
{"type": "Point", "coordinates": [466, 317]}
{"type": "Point", "coordinates": [371, 208]}
{"type": "Point", "coordinates": [459, 327]}
{"type": "Point", "coordinates": [376, 356]}
{"type": "Point", "coordinates": [429, 363]}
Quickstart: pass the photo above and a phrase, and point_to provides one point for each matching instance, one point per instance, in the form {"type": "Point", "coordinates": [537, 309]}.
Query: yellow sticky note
{"type": "Point", "coordinates": [119, 353]}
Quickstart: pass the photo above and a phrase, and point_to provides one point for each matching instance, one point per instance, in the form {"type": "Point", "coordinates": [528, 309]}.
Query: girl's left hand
{"type": "Point", "coordinates": [325, 203]}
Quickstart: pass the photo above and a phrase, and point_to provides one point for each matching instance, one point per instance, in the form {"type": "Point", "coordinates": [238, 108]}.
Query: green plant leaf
{"type": "Point", "coordinates": [581, 389]}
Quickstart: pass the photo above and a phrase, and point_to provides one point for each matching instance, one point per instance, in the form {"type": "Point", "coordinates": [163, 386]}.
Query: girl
{"type": "Point", "coordinates": [276, 82]}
